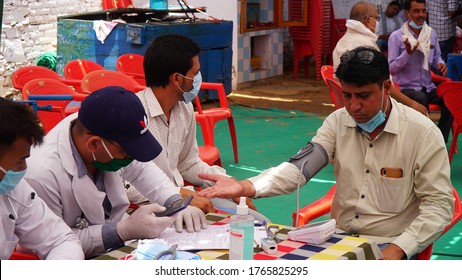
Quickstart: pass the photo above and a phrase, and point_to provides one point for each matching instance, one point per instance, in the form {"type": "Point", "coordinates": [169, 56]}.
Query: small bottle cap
{"type": "Point", "coordinates": [242, 208]}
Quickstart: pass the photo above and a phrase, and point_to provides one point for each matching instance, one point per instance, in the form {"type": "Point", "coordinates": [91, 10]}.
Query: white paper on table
{"type": "Point", "coordinates": [214, 237]}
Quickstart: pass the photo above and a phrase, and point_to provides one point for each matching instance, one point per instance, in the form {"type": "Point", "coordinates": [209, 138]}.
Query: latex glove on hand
{"type": "Point", "coordinates": [143, 223]}
{"type": "Point", "coordinates": [192, 217]}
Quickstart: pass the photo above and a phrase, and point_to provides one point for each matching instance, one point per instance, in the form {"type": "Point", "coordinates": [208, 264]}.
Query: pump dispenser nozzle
{"type": "Point", "coordinates": [242, 208]}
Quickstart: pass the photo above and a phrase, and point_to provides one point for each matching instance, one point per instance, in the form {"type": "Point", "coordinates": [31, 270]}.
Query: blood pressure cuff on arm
{"type": "Point", "coordinates": [310, 159]}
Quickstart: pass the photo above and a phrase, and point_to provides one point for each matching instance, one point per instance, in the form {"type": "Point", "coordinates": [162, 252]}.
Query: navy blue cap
{"type": "Point", "coordinates": [117, 114]}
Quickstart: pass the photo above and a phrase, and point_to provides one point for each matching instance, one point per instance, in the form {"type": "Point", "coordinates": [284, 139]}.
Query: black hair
{"type": "Point", "coordinates": [362, 66]}
{"type": "Point", "coordinates": [168, 54]}
{"type": "Point", "coordinates": [407, 4]}
{"type": "Point", "coordinates": [18, 121]}
{"type": "Point", "coordinates": [395, 3]}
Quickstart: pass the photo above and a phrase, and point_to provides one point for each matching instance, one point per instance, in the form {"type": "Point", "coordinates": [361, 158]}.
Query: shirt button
{"type": "Point", "coordinates": [363, 196]}
{"type": "Point", "coordinates": [367, 171]}
{"type": "Point", "coordinates": [356, 217]}
{"type": "Point", "coordinates": [371, 145]}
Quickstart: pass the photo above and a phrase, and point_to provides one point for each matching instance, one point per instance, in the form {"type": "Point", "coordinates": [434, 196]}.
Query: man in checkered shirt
{"type": "Point", "coordinates": [442, 18]}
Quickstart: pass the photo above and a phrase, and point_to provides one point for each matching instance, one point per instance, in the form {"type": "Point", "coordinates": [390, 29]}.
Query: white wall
{"type": "Point", "coordinates": [222, 9]}
{"type": "Point", "coordinates": [30, 29]}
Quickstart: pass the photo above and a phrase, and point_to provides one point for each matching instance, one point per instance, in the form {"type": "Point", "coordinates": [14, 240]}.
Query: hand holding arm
{"type": "Point", "coordinates": [143, 223]}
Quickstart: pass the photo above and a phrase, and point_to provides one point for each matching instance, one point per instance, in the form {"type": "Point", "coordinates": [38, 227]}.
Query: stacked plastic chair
{"type": "Point", "coordinates": [318, 38]}
{"type": "Point", "coordinates": [76, 69]}
{"type": "Point", "coordinates": [103, 78]}
{"type": "Point", "coordinates": [50, 92]}
{"type": "Point", "coordinates": [28, 73]}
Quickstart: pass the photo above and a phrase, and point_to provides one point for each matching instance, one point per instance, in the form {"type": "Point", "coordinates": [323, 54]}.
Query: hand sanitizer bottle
{"type": "Point", "coordinates": [241, 233]}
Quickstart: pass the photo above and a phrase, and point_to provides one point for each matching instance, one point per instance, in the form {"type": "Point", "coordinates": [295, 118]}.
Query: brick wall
{"type": "Point", "coordinates": [29, 29]}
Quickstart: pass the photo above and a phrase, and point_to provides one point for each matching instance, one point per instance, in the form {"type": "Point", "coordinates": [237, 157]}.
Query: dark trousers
{"type": "Point", "coordinates": [445, 121]}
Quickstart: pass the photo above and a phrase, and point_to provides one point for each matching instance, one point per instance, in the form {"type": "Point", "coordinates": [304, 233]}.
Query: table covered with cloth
{"type": "Point", "coordinates": [339, 247]}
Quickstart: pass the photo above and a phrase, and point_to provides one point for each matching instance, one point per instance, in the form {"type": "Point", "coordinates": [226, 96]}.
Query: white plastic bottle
{"type": "Point", "coordinates": [241, 233]}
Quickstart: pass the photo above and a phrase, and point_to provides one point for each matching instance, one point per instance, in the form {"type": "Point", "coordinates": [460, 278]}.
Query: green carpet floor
{"type": "Point", "coordinates": [267, 137]}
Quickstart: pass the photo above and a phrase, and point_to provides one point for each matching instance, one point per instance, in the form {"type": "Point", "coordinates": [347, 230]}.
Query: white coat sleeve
{"type": "Point", "coordinates": [150, 181]}
{"type": "Point", "coordinates": [39, 229]}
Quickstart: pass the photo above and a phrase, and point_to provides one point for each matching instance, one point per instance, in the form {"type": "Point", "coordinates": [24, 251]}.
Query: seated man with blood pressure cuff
{"type": "Point", "coordinates": [390, 163]}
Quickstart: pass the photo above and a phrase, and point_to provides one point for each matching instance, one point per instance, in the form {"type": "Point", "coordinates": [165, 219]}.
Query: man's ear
{"type": "Point", "coordinates": [92, 143]}
{"type": "Point", "coordinates": [387, 85]}
{"type": "Point", "coordinates": [174, 79]}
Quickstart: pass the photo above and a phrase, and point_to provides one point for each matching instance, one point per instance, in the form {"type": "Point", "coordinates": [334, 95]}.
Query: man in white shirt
{"type": "Point", "coordinates": [173, 79]}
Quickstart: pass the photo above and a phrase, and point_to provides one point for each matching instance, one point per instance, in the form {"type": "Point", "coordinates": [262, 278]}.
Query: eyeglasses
{"type": "Point", "coordinates": [362, 56]}
{"type": "Point", "coordinates": [374, 18]}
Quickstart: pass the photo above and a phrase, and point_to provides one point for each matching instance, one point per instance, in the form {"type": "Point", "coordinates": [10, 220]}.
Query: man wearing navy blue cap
{"type": "Point", "coordinates": [81, 170]}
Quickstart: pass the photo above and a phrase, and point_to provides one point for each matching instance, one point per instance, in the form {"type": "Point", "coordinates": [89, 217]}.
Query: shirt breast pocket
{"type": "Point", "coordinates": [392, 194]}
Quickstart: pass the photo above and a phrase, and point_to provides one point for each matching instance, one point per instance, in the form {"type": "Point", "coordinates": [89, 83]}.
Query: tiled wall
{"type": "Point", "coordinates": [268, 45]}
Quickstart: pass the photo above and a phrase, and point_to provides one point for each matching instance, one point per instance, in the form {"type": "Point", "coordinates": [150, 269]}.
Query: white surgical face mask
{"type": "Point", "coordinates": [376, 27]}
{"type": "Point", "coordinates": [415, 25]}
{"type": "Point", "coordinates": [10, 180]}
{"type": "Point", "coordinates": [376, 121]}
{"type": "Point", "coordinates": [189, 96]}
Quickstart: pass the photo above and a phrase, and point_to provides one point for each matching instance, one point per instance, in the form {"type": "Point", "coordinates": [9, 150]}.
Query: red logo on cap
{"type": "Point", "coordinates": [144, 125]}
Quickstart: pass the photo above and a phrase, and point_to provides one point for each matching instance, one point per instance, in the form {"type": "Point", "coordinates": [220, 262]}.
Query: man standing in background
{"type": "Point", "coordinates": [442, 15]}
{"type": "Point", "coordinates": [389, 22]}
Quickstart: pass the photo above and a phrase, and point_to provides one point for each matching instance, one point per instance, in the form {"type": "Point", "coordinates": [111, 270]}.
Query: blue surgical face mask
{"type": "Point", "coordinates": [10, 180]}
{"type": "Point", "coordinates": [189, 96]}
{"type": "Point", "coordinates": [377, 120]}
{"type": "Point", "coordinates": [113, 165]}
{"type": "Point", "coordinates": [415, 25]}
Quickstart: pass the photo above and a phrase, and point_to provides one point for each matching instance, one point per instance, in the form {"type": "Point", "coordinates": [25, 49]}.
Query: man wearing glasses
{"type": "Point", "coordinates": [361, 28]}
{"type": "Point", "coordinates": [391, 164]}
{"type": "Point", "coordinates": [81, 169]}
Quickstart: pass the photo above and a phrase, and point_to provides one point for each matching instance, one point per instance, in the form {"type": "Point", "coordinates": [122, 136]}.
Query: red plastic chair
{"type": "Point", "coordinates": [322, 206]}
{"type": "Point", "coordinates": [114, 4]}
{"type": "Point", "coordinates": [28, 73]}
{"type": "Point", "coordinates": [335, 89]}
{"type": "Point", "coordinates": [103, 78]}
{"type": "Point", "coordinates": [213, 115]}
{"type": "Point", "coordinates": [132, 65]}
{"type": "Point", "coordinates": [452, 96]}
{"type": "Point", "coordinates": [336, 92]}
{"type": "Point", "coordinates": [78, 68]}
{"type": "Point", "coordinates": [22, 253]}
{"type": "Point", "coordinates": [208, 153]}
{"type": "Point", "coordinates": [44, 87]}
